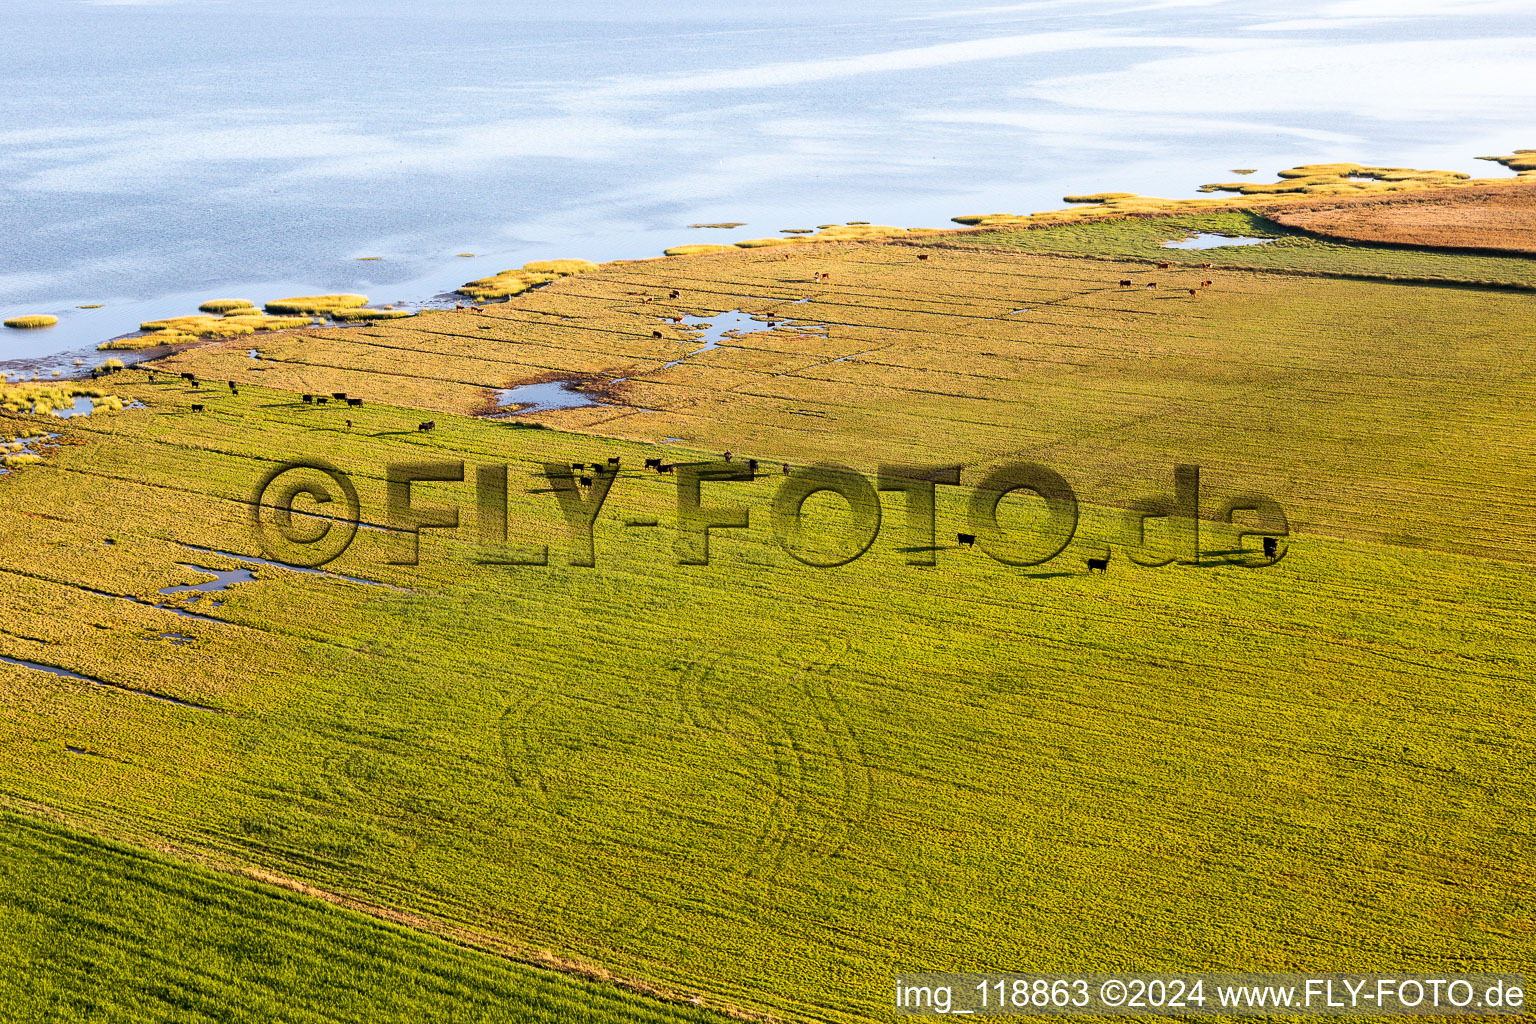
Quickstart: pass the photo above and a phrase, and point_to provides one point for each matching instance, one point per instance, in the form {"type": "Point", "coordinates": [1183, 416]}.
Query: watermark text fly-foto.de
{"type": "Point", "coordinates": [307, 513]}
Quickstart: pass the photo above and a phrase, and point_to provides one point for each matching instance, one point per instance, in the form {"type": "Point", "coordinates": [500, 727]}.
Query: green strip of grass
{"type": "Point", "coordinates": [95, 931]}
{"type": "Point", "coordinates": [1144, 238]}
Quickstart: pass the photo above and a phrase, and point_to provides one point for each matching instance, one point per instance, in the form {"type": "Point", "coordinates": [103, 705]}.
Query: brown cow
{"type": "Point", "coordinates": [674, 294]}
{"type": "Point", "coordinates": [1151, 284]}
{"type": "Point", "coordinates": [922, 257]}
{"type": "Point", "coordinates": [1205, 284]}
{"type": "Point", "coordinates": [1164, 266]}
{"type": "Point", "coordinates": [1194, 294]}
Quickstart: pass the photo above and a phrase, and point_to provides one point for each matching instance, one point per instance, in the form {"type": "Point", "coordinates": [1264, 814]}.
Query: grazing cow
{"type": "Point", "coordinates": [1194, 294]}
{"type": "Point", "coordinates": [308, 399]}
{"type": "Point", "coordinates": [968, 539]}
{"type": "Point", "coordinates": [1207, 266]}
{"type": "Point", "coordinates": [663, 468]}
{"type": "Point", "coordinates": [426, 426]}
{"type": "Point", "coordinates": [321, 401]}
{"type": "Point", "coordinates": [197, 408]}
{"type": "Point", "coordinates": [647, 299]}
{"type": "Point", "coordinates": [677, 319]}
{"type": "Point", "coordinates": [1125, 284]}
{"type": "Point", "coordinates": [1271, 547]}
{"type": "Point", "coordinates": [652, 463]}
{"type": "Point", "coordinates": [1151, 284]}
{"type": "Point", "coordinates": [1101, 564]}
{"type": "Point", "coordinates": [727, 456]}
{"type": "Point", "coordinates": [1205, 284]}
{"type": "Point", "coordinates": [657, 334]}
{"type": "Point", "coordinates": [340, 396]}
{"type": "Point", "coordinates": [232, 387]}
{"type": "Point", "coordinates": [752, 465]}
{"type": "Point", "coordinates": [922, 257]}
{"type": "Point", "coordinates": [1164, 265]}
{"type": "Point", "coordinates": [190, 377]}
{"type": "Point", "coordinates": [613, 460]}
{"type": "Point", "coordinates": [586, 481]}
{"type": "Point", "coordinates": [786, 469]}
{"type": "Point", "coordinates": [354, 402]}
{"type": "Point", "coordinates": [674, 294]}
{"type": "Point", "coordinates": [578, 465]}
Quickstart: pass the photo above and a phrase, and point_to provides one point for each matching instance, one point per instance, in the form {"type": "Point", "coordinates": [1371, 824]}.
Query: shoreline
{"type": "Point", "coordinates": [1360, 187]}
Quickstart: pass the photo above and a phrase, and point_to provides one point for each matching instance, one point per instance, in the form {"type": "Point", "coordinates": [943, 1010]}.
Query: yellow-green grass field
{"type": "Point", "coordinates": [83, 917]}
{"type": "Point", "coordinates": [770, 786]}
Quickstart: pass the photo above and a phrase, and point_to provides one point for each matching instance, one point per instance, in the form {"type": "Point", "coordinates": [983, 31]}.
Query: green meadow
{"type": "Point", "coordinates": [760, 787]}
{"type": "Point", "coordinates": [1289, 250]}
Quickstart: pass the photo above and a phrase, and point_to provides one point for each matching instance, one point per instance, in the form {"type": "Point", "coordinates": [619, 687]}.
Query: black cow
{"type": "Point", "coordinates": [340, 396]}
{"type": "Point", "coordinates": [1271, 547]}
{"type": "Point", "coordinates": [308, 399]}
{"type": "Point", "coordinates": [197, 408]}
{"type": "Point", "coordinates": [652, 463]}
{"type": "Point", "coordinates": [427, 425]}
{"type": "Point", "coordinates": [1101, 564]}
{"type": "Point", "coordinates": [586, 481]}
{"type": "Point", "coordinates": [354, 401]}
{"type": "Point", "coordinates": [613, 460]}
{"type": "Point", "coordinates": [663, 468]}
{"type": "Point", "coordinates": [968, 539]}
{"type": "Point", "coordinates": [322, 400]}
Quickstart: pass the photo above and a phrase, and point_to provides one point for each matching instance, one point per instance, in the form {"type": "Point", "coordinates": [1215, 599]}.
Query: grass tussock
{"type": "Point", "coordinates": [1521, 161]}
{"type": "Point", "coordinates": [318, 305]}
{"type": "Point", "coordinates": [695, 250]}
{"type": "Point", "coordinates": [358, 315]}
{"type": "Point", "coordinates": [25, 323]}
{"type": "Point", "coordinates": [226, 305]}
{"type": "Point", "coordinates": [1295, 184]}
{"type": "Point", "coordinates": [94, 305]}
{"type": "Point", "coordinates": [722, 224]}
{"type": "Point", "coordinates": [506, 283]}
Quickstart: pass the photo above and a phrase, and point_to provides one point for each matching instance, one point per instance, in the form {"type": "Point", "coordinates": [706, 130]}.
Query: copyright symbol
{"type": "Point", "coordinates": [1112, 992]}
{"type": "Point", "coordinates": [302, 537]}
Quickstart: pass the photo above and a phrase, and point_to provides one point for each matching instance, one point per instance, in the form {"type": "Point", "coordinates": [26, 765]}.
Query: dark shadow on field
{"type": "Point", "coordinates": [1051, 575]}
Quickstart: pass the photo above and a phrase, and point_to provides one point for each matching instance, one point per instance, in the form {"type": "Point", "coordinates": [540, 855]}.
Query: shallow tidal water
{"type": "Point", "coordinates": [155, 153]}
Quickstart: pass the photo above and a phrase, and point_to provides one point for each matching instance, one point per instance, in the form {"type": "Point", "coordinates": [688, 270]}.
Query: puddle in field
{"type": "Point", "coordinates": [254, 560]}
{"type": "Point", "coordinates": [1205, 240]}
{"type": "Point", "coordinates": [223, 579]}
{"type": "Point", "coordinates": [712, 330]}
{"type": "Point", "coordinates": [64, 673]}
{"type": "Point", "coordinates": [545, 397]}
{"type": "Point", "coordinates": [32, 444]}
{"type": "Point", "coordinates": [84, 406]}
{"type": "Point", "coordinates": [176, 639]}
